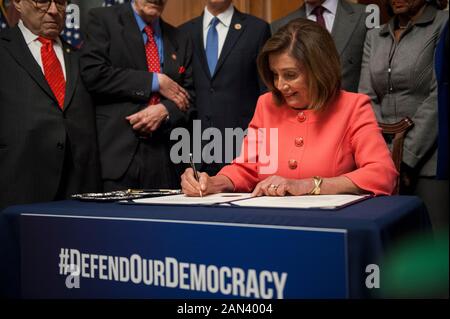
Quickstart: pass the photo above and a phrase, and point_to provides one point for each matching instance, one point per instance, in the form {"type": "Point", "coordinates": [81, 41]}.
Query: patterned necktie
{"type": "Point", "coordinates": [153, 61]}
{"type": "Point", "coordinates": [53, 70]}
{"type": "Point", "coordinates": [318, 12]}
{"type": "Point", "coordinates": [212, 46]}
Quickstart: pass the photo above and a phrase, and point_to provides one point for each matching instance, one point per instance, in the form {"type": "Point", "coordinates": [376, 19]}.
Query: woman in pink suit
{"type": "Point", "coordinates": [327, 141]}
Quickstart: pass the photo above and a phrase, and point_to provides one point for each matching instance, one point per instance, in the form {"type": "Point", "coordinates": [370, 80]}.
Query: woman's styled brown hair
{"type": "Point", "coordinates": [313, 47]}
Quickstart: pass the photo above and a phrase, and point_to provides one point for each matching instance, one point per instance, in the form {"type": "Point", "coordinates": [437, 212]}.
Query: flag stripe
{"type": "Point", "coordinates": [3, 20]}
{"type": "Point", "coordinates": [73, 35]}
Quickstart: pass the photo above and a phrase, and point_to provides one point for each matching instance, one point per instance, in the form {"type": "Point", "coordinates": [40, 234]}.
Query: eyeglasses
{"type": "Point", "coordinates": [44, 5]}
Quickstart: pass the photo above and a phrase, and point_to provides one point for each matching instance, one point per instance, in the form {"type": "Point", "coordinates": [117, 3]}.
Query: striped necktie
{"type": "Point", "coordinates": [53, 71]}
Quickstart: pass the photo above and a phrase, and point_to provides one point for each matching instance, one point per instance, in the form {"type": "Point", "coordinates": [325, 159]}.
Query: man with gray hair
{"type": "Point", "coordinates": [138, 69]}
{"type": "Point", "coordinates": [48, 147]}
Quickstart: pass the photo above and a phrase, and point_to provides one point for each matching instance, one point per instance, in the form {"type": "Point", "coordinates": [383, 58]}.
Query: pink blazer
{"type": "Point", "coordinates": [343, 140]}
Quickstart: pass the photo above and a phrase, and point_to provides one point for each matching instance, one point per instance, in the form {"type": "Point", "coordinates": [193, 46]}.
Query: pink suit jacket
{"type": "Point", "coordinates": [343, 140]}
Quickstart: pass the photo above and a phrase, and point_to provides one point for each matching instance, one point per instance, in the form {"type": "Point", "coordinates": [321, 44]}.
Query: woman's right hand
{"type": "Point", "coordinates": [191, 187]}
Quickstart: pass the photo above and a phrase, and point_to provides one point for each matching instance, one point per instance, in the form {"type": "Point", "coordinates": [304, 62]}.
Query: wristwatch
{"type": "Point", "coordinates": [317, 183]}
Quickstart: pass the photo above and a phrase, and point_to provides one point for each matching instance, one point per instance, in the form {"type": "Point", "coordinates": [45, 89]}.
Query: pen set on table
{"type": "Point", "coordinates": [197, 178]}
{"type": "Point", "coordinates": [154, 191]}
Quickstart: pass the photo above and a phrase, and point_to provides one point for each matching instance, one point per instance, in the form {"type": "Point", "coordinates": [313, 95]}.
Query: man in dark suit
{"type": "Point", "coordinates": [139, 70]}
{"type": "Point", "coordinates": [227, 85]}
{"type": "Point", "coordinates": [346, 22]}
{"type": "Point", "coordinates": [48, 147]}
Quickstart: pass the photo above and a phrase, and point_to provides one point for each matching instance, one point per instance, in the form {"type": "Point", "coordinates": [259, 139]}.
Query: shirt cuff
{"type": "Point", "coordinates": [155, 83]}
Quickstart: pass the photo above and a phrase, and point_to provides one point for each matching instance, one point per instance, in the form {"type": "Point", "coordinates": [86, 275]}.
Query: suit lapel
{"type": "Point", "coordinates": [199, 44]}
{"type": "Point", "coordinates": [237, 28]}
{"type": "Point", "coordinates": [300, 13]}
{"type": "Point", "coordinates": [170, 50]}
{"type": "Point", "coordinates": [72, 71]}
{"type": "Point", "coordinates": [133, 38]}
{"type": "Point", "coordinates": [344, 23]}
{"type": "Point", "coordinates": [21, 53]}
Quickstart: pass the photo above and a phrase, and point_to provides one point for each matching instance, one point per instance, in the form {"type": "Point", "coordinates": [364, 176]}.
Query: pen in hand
{"type": "Point", "coordinates": [195, 172]}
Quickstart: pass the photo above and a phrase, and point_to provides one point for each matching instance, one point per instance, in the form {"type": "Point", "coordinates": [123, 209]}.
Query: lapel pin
{"type": "Point", "coordinates": [68, 50]}
{"type": "Point", "coordinates": [238, 26]}
{"type": "Point", "coordinates": [174, 56]}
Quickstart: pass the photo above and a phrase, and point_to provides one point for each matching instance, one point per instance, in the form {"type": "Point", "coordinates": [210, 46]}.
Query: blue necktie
{"type": "Point", "coordinates": [212, 46]}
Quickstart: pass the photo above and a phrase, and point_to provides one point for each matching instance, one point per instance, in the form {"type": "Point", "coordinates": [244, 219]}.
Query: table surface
{"type": "Point", "coordinates": [372, 225]}
{"type": "Point", "coordinates": [376, 212]}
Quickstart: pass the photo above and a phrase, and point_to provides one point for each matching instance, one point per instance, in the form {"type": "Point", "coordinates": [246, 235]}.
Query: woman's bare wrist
{"type": "Point", "coordinates": [221, 184]}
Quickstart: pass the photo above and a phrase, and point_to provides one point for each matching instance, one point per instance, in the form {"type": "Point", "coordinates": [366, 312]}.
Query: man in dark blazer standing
{"type": "Point", "coordinates": [139, 70]}
{"type": "Point", "coordinates": [346, 22]}
{"type": "Point", "coordinates": [48, 147]}
{"type": "Point", "coordinates": [227, 85]}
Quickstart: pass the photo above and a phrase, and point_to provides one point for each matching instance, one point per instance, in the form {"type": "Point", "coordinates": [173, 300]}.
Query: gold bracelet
{"type": "Point", "coordinates": [317, 183]}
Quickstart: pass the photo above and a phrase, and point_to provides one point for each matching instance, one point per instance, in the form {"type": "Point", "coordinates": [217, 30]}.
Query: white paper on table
{"type": "Point", "coordinates": [185, 200]}
{"type": "Point", "coordinates": [319, 202]}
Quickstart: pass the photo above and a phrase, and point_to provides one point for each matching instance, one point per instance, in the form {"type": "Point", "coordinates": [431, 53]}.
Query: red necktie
{"type": "Point", "coordinates": [53, 70]}
{"type": "Point", "coordinates": [153, 62]}
{"type": "Point", "coordinates": [318, 12]}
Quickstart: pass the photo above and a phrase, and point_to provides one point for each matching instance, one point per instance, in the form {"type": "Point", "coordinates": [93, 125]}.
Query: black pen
{"type": "Point", "coordinates": [195, 172]}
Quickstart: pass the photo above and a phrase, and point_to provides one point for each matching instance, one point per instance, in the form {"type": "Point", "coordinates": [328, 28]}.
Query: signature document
{"type": "Point", "coordinates": [303, 202]}
{"type": "Point", "coordinates": [185, 200]}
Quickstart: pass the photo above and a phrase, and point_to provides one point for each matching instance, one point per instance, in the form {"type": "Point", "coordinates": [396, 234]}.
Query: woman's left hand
{"type": "Point", "coordinates": [280, 186]}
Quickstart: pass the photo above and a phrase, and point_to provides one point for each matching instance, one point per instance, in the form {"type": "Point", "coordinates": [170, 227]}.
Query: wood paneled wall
{"type": "Point", "coordinates": [180, 11]}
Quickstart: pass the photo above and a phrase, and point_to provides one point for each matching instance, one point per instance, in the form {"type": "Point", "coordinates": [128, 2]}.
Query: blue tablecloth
{"type": "Point", "coordinates": [373, 227]}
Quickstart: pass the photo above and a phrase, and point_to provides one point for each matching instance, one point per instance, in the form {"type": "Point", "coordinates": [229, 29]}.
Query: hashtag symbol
{"type": "Point", "coordinates": [63, 261]}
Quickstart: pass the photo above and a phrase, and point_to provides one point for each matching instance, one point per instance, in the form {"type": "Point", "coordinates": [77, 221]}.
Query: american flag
{"type": "Point", "coordinates": [108, 3]}
{"type": "Point", "coordinates": [3, 22]}
{"type": "Point", "coordinates": [73, 36]}
{"type": "Point", "coordinates": [72, 33]}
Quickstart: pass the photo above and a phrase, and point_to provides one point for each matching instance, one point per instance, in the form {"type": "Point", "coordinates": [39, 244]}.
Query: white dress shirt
{"type": "Point", "coordinates": [222, 27]}
{"type": "Point", "coordinates": [329, 14]}
{"type": "Point", "coordinates": [35, 47]}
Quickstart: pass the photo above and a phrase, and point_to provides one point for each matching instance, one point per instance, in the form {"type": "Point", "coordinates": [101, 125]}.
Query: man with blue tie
{"type": "Point", "coordinates": [139, 70]}
{"type": "Point", "coordinates": [226, 43]}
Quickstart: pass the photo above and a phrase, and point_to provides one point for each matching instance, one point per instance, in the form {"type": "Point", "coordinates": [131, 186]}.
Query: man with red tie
{"type": "Point", "coordinates": [346, 21]}
{"type": "Point", "coordinates": [139, 70]}
{"type": "Point", "coordinates": [48, 147]}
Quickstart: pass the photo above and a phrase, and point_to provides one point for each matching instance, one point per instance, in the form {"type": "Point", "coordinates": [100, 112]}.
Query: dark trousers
{"type": "Point", "coordinates": [150, 168]}
{"type": "Point", "coordinates": [70, 181]}
{"type": "Point", "coordinates": [435, 195]}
